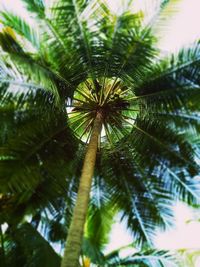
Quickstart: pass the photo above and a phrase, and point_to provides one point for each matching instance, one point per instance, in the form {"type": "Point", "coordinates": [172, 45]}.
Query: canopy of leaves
{"type": "Point", "coordinates": [142, 172]}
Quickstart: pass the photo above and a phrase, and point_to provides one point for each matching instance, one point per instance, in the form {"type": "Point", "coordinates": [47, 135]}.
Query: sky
{"type": "Point", "coordinates": [182, 28]}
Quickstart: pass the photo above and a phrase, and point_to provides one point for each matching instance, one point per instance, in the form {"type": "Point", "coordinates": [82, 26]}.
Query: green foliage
{"type": "Point", "coordinates": [143, 258]}
{"type": "Point", "coordinates": [139, 172]}
{"type": "Point", "coordinates": [189, 257]}
{"type": "Point", "coordinates": [24, 29]}
{"type": "Point", "coordinates": [24, 246]}
{"type": "Point", "coordinates": [36, 7]}
{"type": "Point", "coordinates": [149, 258]}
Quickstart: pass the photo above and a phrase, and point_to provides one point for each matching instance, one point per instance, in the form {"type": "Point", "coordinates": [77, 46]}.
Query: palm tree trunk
{"type": "Point", "coordinates": [75, 234]}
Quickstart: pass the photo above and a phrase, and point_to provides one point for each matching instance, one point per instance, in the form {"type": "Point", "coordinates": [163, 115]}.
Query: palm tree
{"type": "Point", "coordinates": [83, 85]}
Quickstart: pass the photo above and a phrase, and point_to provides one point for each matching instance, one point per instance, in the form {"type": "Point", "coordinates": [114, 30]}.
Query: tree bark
{"type": "Point", "coordinates": [76, 229]}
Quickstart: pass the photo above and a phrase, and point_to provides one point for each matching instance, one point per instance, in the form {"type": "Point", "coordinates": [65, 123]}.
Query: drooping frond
{"type": "Point", "coordinates": [21, 27]}
{"type": "Point", "coordinates": [25, 66]}
{"type": "Point", "coordinates": [37, 253]}
{"type": "Point", "coordinates": [99, 223]}
{"type": "Point", "coordinates": [128, 44]}
{"type": "Point", "coordinates": [144, 176]}
{"type": "Point", "coordinates": [151, 258]}
{"type": "Point", "coordinates": [36, 7]}
{"type": "Point", "coordinates": [173, 84]}
{"type": "Point", "coordinates": [28, 169]}
{"type": "Point", "coordinates": [141, 194]}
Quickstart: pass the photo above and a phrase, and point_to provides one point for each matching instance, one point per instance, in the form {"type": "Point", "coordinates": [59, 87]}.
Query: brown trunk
{"type": "Point", "coordinates": [75, 234]}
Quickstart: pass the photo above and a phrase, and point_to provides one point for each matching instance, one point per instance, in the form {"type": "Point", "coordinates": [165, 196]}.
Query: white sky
{"type": "Point", "coordinates": [184, 234]}
{"type": "Point", "coordinates": [182, 29]}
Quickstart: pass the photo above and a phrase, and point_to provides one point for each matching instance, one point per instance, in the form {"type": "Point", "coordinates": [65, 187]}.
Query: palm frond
{"type": "Point", "coordinates": [31, 68]}
{"type": "Point", "coordinates": [183, 187]}
{"type": "Point", "coordinates": [172, 82]}
{"type": "Point", "coordinates": [36, 7]}
{"type": "Point", "coordinates": [149, 258]}
{"type": "Point", "coordinates": [38, 253]}
{"type": "Point", "coordinates": [168, 146]}
{"type": "Point", "coordinates": [82, 38]}
{"type": "Point", "coordinates": [128, 44]}
{"type": "Point", "coordinates": [21, 27]}
{"type": "Point", "coordinates": [141, 193]}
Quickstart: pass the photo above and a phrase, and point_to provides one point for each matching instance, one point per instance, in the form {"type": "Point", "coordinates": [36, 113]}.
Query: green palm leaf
{"type": "Point", "coordinates": [23, 28]}
{"type": "Point", "coordinates": [38, 253]}
{"type": "Point", "coordinates": [144, 259]}
{"type": "Point", "coordinates": [102, 67]}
